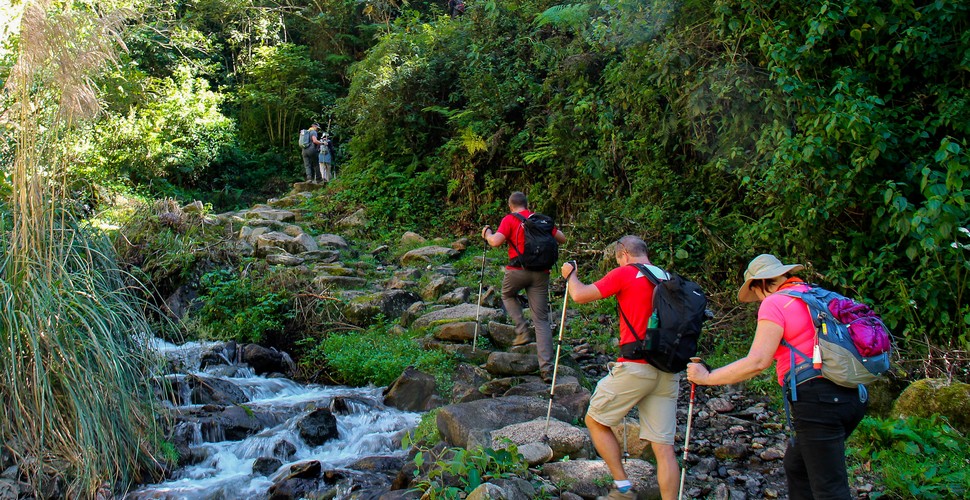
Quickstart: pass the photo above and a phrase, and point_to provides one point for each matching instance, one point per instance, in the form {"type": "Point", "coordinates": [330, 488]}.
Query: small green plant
{"type": "Point", "coordinates": [914, 457]}
{"type": "Point", "coordinates": [241, 307]}
{"type": "Point", "coordinates": [457, 471]}
{"type": "Point", "coordinates": [425, 432]}
{"type": "Point", "coordinates": [374, 356]}
{"type": "Point", "coordinates": [603, 481]}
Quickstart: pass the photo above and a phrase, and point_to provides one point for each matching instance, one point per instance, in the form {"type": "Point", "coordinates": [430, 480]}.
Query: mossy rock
{"type": "Point", "coordinates": [883, 394]}
{"type": "Point", "coordinates": [936, 396]}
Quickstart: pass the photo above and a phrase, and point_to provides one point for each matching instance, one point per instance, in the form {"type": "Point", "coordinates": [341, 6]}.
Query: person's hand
{"type": "Point", "coordinates": [568, 268]}
{"type": "Point", "coordinates": [697, 373]}
{"type": "Point", "coordinates": [486, 230]}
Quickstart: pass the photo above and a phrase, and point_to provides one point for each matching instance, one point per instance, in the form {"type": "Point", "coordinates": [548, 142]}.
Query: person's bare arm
{"type": "Point", "coordinates": [494, 239]}
{"type": "Point", "coordinates": [766, 340]}
{"type": "Point", "coordinates": [579, 292]}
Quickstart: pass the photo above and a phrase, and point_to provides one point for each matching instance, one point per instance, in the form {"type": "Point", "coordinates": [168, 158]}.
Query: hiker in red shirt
{"type": "Point", "coordinates": [536, 283]}
{"type": "Point", "coordinates": [631, 382]}
{"type": "Point", "coordinates": [824, 413]}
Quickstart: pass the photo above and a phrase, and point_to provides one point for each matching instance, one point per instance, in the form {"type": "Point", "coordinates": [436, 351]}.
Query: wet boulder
{"type": "Point", "coordinates": [223, 353]}
{"type": "Point", "coordinates": [266, 466]}
{"type": "Point", "coordinates": [318, 427]}
{"type": "Point", "coordinates": [212, 390]}
{"type": "Point", "coordinates": [383, 464]}
{"type": "Point", "coordinates": [284, 450]}
{"type": "Point", "coordinates": [265, 360]}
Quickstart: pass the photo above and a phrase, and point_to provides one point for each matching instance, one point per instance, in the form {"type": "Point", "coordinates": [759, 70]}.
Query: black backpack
{"type": "Point", "coordinates": [679, 311]}
{"type": "Point", "coordinates": [541, 248]}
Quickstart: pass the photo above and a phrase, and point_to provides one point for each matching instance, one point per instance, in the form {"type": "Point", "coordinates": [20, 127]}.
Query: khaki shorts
{"type": "Point", "coordinates": [653, 391]}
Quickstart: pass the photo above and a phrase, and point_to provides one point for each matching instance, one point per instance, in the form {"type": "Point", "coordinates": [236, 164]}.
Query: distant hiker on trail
{"type": "Point", "coordinates": [520, 275]}
{"type": "Point", "coordinates": [824, 413]}
{"type": "Point", "coordinates": [456, 7]}
{"type": "Point", "coordinates": [326, 157]}
{"type": "Point", "coordinates": [631, 382]}
{"type": "Point", "coordinates": [310, 154]}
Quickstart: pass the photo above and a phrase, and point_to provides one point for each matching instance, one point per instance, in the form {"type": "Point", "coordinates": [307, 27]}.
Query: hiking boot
{"type": "Point", "coordinates": [523, 339]}
{"type": "Point", "coordinates": [616, 495]}
{"type": "Point", "coordinates": [546, 376]}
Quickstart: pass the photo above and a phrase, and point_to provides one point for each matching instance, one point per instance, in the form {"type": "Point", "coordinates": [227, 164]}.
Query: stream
{"type": "Point", "coordinates": [241, 450]}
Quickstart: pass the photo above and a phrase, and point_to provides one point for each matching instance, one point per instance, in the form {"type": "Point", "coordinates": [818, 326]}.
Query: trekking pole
{"type": "Point", "coordinates": [690, 416]}
{"type": "Point", "coordinates": [555, 365]}
{"type": "Point", "coordinates": [481, 280]}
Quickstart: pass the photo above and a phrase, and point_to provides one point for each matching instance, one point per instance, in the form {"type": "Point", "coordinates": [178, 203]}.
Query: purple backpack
{"type": "Point", "coordinates": [853, 343]}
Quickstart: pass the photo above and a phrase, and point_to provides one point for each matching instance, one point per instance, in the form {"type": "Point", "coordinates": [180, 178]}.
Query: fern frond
{"type": "Point", "coordinates": [564, 16]}
{"type": "Point", "coordinates": [472, 141]}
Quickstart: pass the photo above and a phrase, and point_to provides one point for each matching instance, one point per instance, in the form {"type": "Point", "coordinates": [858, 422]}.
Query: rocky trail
{"type": "Point", "coordinates": [737, 441]}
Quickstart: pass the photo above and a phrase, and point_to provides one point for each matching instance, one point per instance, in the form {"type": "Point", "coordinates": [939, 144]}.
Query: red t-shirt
{"type": "Point", "coordinates": [514, 231]}
{"type": "Point", "coordinates": [792, 315]}
{"type": "Point", "coordinates": [634, 294]}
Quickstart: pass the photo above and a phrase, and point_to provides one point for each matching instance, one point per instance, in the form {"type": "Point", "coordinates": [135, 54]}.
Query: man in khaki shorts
{"type": "Point", "coordinates": [631, 382]}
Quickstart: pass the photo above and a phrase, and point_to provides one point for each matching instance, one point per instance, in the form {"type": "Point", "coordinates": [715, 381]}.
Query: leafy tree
{"type": "Point", "coordinates": [284, 89]}
{"type": "Point", "coordinates": [176, 134]}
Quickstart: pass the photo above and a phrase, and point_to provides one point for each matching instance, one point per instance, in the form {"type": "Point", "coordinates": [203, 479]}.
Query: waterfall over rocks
{"type": "Point", "coordinates": [241, 435]}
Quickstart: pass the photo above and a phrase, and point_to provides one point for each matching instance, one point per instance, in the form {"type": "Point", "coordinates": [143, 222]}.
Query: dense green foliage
{"type": "Point", "coordinates": [241, 308]}
{"type": "Point", "coordinates": [375, 356]}
{"type": "Point", "coordinates": [830, 132]}
{"type": "Point", "coordinates": [76, 376]}
{"type": "Point", "coordinates": [825, 132]}
{"type": "Point", "coordinates": [455, 472]}
{"type": "Point", "coordinates": [914, 457]}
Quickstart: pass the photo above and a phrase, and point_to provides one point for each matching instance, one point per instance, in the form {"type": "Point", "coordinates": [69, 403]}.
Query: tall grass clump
{"type": "Point", "coordinates": [75, 371]}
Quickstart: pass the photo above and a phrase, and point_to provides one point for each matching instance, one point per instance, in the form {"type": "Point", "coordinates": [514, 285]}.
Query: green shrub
{"type": "Point", "coordinates": [913, 457]}
{"type": "Point", "coordinates": [466, 468]}
{"type": "Point", "coordinates": [374, 356]}
{"type": "Point", "coordinates": [176, 134]}
{"type": "Point", "coordinates": [241, 308]}
{"type": "Point", "coordinates": [426, 432]}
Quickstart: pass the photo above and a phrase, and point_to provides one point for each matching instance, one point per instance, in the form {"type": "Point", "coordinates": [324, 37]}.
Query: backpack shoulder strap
{"type": "Point", "coordinates": [653, 273]}
{"type": "Point", "coordinates": [511, 243]}
{"type": "Point", "coordinates": [808, 297]}
{"type": "Point", "coordinates": [649, 273]}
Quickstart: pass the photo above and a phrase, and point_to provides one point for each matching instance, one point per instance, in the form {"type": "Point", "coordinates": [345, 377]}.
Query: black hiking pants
{"type": "Point", "coordinates": [310, 161]}
{"type": "Point", "coordinates": [822, 419]}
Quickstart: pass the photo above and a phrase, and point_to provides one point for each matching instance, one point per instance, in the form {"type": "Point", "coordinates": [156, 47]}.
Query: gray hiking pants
{"type": "Point", "coordinates": [536, 285]}
{"type": "Point", "coordinates": [310, 164]}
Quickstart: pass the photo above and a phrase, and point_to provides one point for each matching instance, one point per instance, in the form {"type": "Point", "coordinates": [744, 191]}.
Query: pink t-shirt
{"type": "Point", "coordinates": [634, 294]}
{"type": "Point", "coordinates": [514, 231]}
{"type": "Point", "coordinates": [792, 315]}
